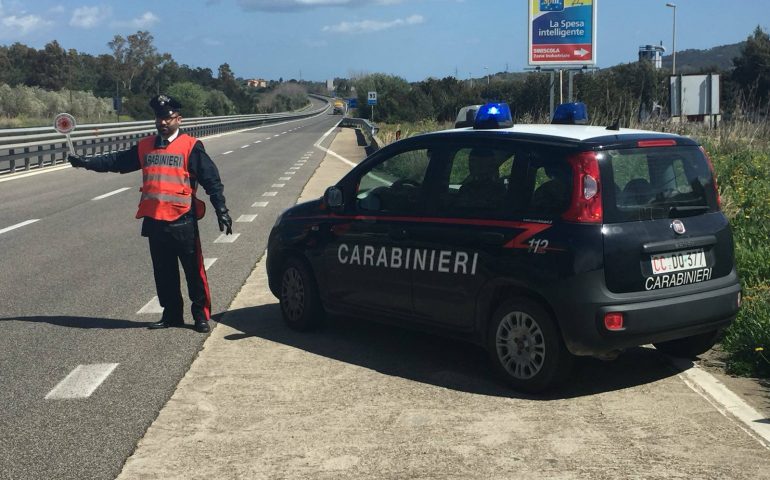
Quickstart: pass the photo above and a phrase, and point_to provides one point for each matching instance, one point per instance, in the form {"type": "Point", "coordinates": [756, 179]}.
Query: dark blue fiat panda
{"type": "Point", "coordinates": [538, 242]}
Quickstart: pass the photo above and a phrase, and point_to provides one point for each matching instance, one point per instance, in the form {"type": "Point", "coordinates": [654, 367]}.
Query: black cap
{"type": "Point", "coordinates": [164, 106]}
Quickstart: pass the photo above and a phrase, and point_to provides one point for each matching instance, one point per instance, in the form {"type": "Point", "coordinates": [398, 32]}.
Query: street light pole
{"type": "Point", "coordinates": [673, 40]}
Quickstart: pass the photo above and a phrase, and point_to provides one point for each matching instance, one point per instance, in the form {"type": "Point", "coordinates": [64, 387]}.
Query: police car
{"type": "Point", "coordinates": [538, 242]}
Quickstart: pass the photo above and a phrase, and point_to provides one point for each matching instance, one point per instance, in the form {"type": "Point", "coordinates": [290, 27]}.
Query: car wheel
{"type": "Point", "coordinates": [300, 304]}
{"type": "Point", "coordinates": [526, 347]}
{"type": "Point", "coordinates": [690, 347]}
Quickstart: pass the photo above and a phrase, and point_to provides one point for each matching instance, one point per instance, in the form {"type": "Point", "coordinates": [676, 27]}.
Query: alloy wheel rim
{"type": "Point", "coordinates": [520, 345]}
{"type": "Point", "coordinates": [292, 294]}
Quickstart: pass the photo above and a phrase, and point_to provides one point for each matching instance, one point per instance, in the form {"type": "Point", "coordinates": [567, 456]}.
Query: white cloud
{"type": "Point", "coordinates": [147, 20]}
{"type": "Point", "coordinates": [24, 24]}
{"type": "Point", "coordinates": [293, 5]}
{"type": "Point", "coordinates": [368, 26]}
{"type": "Point", "coordinates": [89, 17]}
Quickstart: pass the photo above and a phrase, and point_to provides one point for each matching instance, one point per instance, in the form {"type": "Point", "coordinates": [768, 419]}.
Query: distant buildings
{"type": "Point", "coordinates": [257, 83]}
{"type": "Point", "coordinates": [652, 53]}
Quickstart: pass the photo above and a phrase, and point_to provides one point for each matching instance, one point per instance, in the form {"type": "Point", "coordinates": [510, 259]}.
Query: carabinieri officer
{"type": "Point", "coordinates": [173, 164]}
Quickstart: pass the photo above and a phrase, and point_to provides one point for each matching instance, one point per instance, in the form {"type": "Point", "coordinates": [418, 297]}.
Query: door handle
{"type": "Point", "coordinates": [398, 233]}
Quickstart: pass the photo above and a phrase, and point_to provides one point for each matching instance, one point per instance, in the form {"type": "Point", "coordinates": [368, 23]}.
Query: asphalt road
{"type": "Point", "coordinates": [76, 288]}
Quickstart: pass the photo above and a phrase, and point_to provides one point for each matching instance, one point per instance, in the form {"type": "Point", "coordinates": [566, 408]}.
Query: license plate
{"type": "Point", "coordinates": [677, 261]}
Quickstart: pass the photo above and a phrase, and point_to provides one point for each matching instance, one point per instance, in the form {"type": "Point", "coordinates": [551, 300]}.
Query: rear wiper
{"type": "Point", "coordinates": [675, 210]}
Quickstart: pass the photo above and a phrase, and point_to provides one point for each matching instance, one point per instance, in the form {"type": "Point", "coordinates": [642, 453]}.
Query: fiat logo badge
{"type": "Point", "coordinates": [678, 226]}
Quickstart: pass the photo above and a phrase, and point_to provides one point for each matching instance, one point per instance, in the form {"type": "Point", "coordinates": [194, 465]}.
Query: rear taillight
{"type": "Point", "coordinates": [586, 200]}
{"type": "Point", "coordinates": [713, 176]}
{"type": "Point", "coordinates": [614, 321]}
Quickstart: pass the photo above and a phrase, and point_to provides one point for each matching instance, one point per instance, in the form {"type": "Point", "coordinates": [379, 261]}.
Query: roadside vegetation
{"type": "Point", "coordinates": [35, 85]}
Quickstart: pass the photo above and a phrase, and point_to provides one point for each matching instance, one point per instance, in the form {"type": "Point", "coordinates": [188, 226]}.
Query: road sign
{"type": "Point", "coordinates": [562, 32]}
{"type": "Point", "coordinates": [372, 99]}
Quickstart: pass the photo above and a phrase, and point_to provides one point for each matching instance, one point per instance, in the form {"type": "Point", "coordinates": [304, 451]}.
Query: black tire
{"type": "Point", "coordinates": [690, 347]}
{"type": "Point", "coordinates": [526, 348]}
{"type": "Point", "coordinates": [300, 304]}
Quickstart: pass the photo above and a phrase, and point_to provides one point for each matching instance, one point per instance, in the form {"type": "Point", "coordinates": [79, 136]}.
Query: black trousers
{"type": "Point", "coordinates": [170, 246]}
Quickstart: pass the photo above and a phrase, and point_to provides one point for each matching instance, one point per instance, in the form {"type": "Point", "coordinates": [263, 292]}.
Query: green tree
{"type": "Point", "coordinates": [752, 67]}
{"type": "Point", "coordinates": [193, 98]}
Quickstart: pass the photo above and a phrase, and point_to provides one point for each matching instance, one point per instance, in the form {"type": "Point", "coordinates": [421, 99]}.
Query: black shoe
{"type": "Point", "coordinates": [202, 326]}
{"type": "Point", "coordinates": [165, 324]}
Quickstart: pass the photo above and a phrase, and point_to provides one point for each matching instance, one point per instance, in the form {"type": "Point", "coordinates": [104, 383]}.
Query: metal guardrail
{"type": "Point", "coordinates": [33, 148]}
{"type": "Point", "coordinates": [368, 128]}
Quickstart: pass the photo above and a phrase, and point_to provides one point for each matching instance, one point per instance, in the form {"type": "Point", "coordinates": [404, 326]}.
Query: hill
{"type": "Point", "coordinates": [697, 61]}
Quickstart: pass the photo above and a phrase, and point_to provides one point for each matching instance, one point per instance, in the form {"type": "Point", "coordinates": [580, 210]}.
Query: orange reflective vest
{"type": "Point", "coordinates": [167, 190]}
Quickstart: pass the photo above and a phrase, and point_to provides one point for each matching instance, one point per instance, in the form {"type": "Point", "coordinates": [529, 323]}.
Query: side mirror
{"type": "Point", "coordinates": [333, 197]}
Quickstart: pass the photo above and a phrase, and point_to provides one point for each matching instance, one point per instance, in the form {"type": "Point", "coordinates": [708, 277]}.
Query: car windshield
{"type": "Point", "coordinates": [651, 183]}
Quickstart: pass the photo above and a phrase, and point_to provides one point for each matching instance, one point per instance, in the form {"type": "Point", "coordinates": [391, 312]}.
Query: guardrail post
{"type": "Point", "coordinates": [26, 159]}
{"type": "Point", "coordinates": [12, 166]}
{"type": "Point", "coordinates": [40, 156]}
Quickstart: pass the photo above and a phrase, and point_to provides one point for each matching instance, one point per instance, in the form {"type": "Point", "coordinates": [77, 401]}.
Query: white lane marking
{"type": "Point", "coordinates": [258, 141]}
{"type": "Point", "coordinates": [329, 152]}
{"type": "Point", "coordinates": [246, 218]}
{"type": "Point", "coordinates": [19, 225]}
{"type": "Point", "coordinates": [278, 185]}
{"type": "Point", "coordinates": [16, 176]}
{"type": "Point", "coordinates": [284, 133]}
{"type": "Point", "coordinates": [227, 238]}
{"type": "Point", "coordinates": [153, 306]}
{"type": "Point", "coordinates": [269, 194]}
{"type": "Point", "coordinates": [284, 178]}
{"type": "Point", "coordinates": [208, 262]}
{"type": "Point", "coordinates": [725, 401]}
{"type": "Point", "coordinates": [289, 173]}
{"type": "Point", "coordinates": [82, 381]}
{"type": "Point", "coordinates": [227, 152]}
{"type": "Point", "coordinates": [111, 193]}
{"type": "Point", "coordinates": [260, 204]}
{"type": "Point", "coordinates": [245, 146]}
{"type": "Point", "coordinates": [294, 168]}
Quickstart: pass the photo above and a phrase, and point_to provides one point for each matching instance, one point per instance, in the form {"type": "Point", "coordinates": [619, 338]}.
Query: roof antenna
{"type": "Point", "coordinates": [615, 125]}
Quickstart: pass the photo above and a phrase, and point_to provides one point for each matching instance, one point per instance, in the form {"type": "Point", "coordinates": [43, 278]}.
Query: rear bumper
{"type": "Point", "coordinates": [648, 317]}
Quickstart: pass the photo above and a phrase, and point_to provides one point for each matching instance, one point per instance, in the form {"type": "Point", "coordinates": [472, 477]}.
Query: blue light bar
{"type": "Point", "coordinates": [493, 115]}
{"type": "Point", "coordinates": [574, 113]}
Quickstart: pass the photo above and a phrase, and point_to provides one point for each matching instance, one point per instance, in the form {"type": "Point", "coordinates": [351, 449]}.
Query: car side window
{"type": "Point", "coordinates": [395, 184]}
{"type": "Point", "coordinates": [477, 182]}
{"type": "Point", "coordinates": [551, 179]}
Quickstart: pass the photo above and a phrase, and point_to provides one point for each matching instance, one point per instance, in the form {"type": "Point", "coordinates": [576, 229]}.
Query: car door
{"type": "Point", "coordinates": [465, 233]}
{"type": "Point", "coordinates": [368, 252]}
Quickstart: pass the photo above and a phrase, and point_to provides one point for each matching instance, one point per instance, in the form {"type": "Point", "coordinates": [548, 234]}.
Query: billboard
{"type": "Point", "coordinates": [562, 32]}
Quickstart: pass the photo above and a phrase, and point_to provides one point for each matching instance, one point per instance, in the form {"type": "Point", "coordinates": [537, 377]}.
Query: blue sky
{"type": "Point", "coordinates": [320, 39]}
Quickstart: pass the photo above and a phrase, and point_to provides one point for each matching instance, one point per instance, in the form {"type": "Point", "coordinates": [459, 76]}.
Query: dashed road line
{"type": "Point", "coordinates": [227, 238]}
{"type": "Point", "coordinates": [82, 381]}
{"type": "Point", "coordinates": [246, 146]}
{"type": "Point", "coordinates": [115, 192]}
{"type": "Point", "coordinates": [269, 194]}
{"type": "Point", "coordinates": [278, 185]}
{"type": "Point", "coordinates": [284, 178]}
{"type": "Point", "coordinates": [260, 204]}
{"type": "Point", "coordinates": [227, 152]}
{"type": "Point", "coordinates": [289, 173]}
{"type": "Point", "coordinates": [246, 218]}
{"type": "Point", "coordinates": [208, 262]}
{"type": "Point", "coordinates": [19, 225]}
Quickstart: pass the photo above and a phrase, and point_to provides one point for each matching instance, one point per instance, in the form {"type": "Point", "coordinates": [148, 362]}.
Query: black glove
{"type": "Point", "coordinates": [77, 161]}
{"type": "Point", "coordinates": [225, 221]}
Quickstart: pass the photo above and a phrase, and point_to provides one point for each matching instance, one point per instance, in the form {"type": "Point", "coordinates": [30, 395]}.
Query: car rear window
{"type": "Point", "coordinates": [653, 183]}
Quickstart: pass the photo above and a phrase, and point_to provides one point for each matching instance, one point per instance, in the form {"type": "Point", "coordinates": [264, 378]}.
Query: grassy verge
{"type": "Point", "coordinates": [740, 153]}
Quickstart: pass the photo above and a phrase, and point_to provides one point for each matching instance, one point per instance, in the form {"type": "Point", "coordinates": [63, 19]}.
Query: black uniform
{"type": "Point", "coordinates": [177, 239]}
